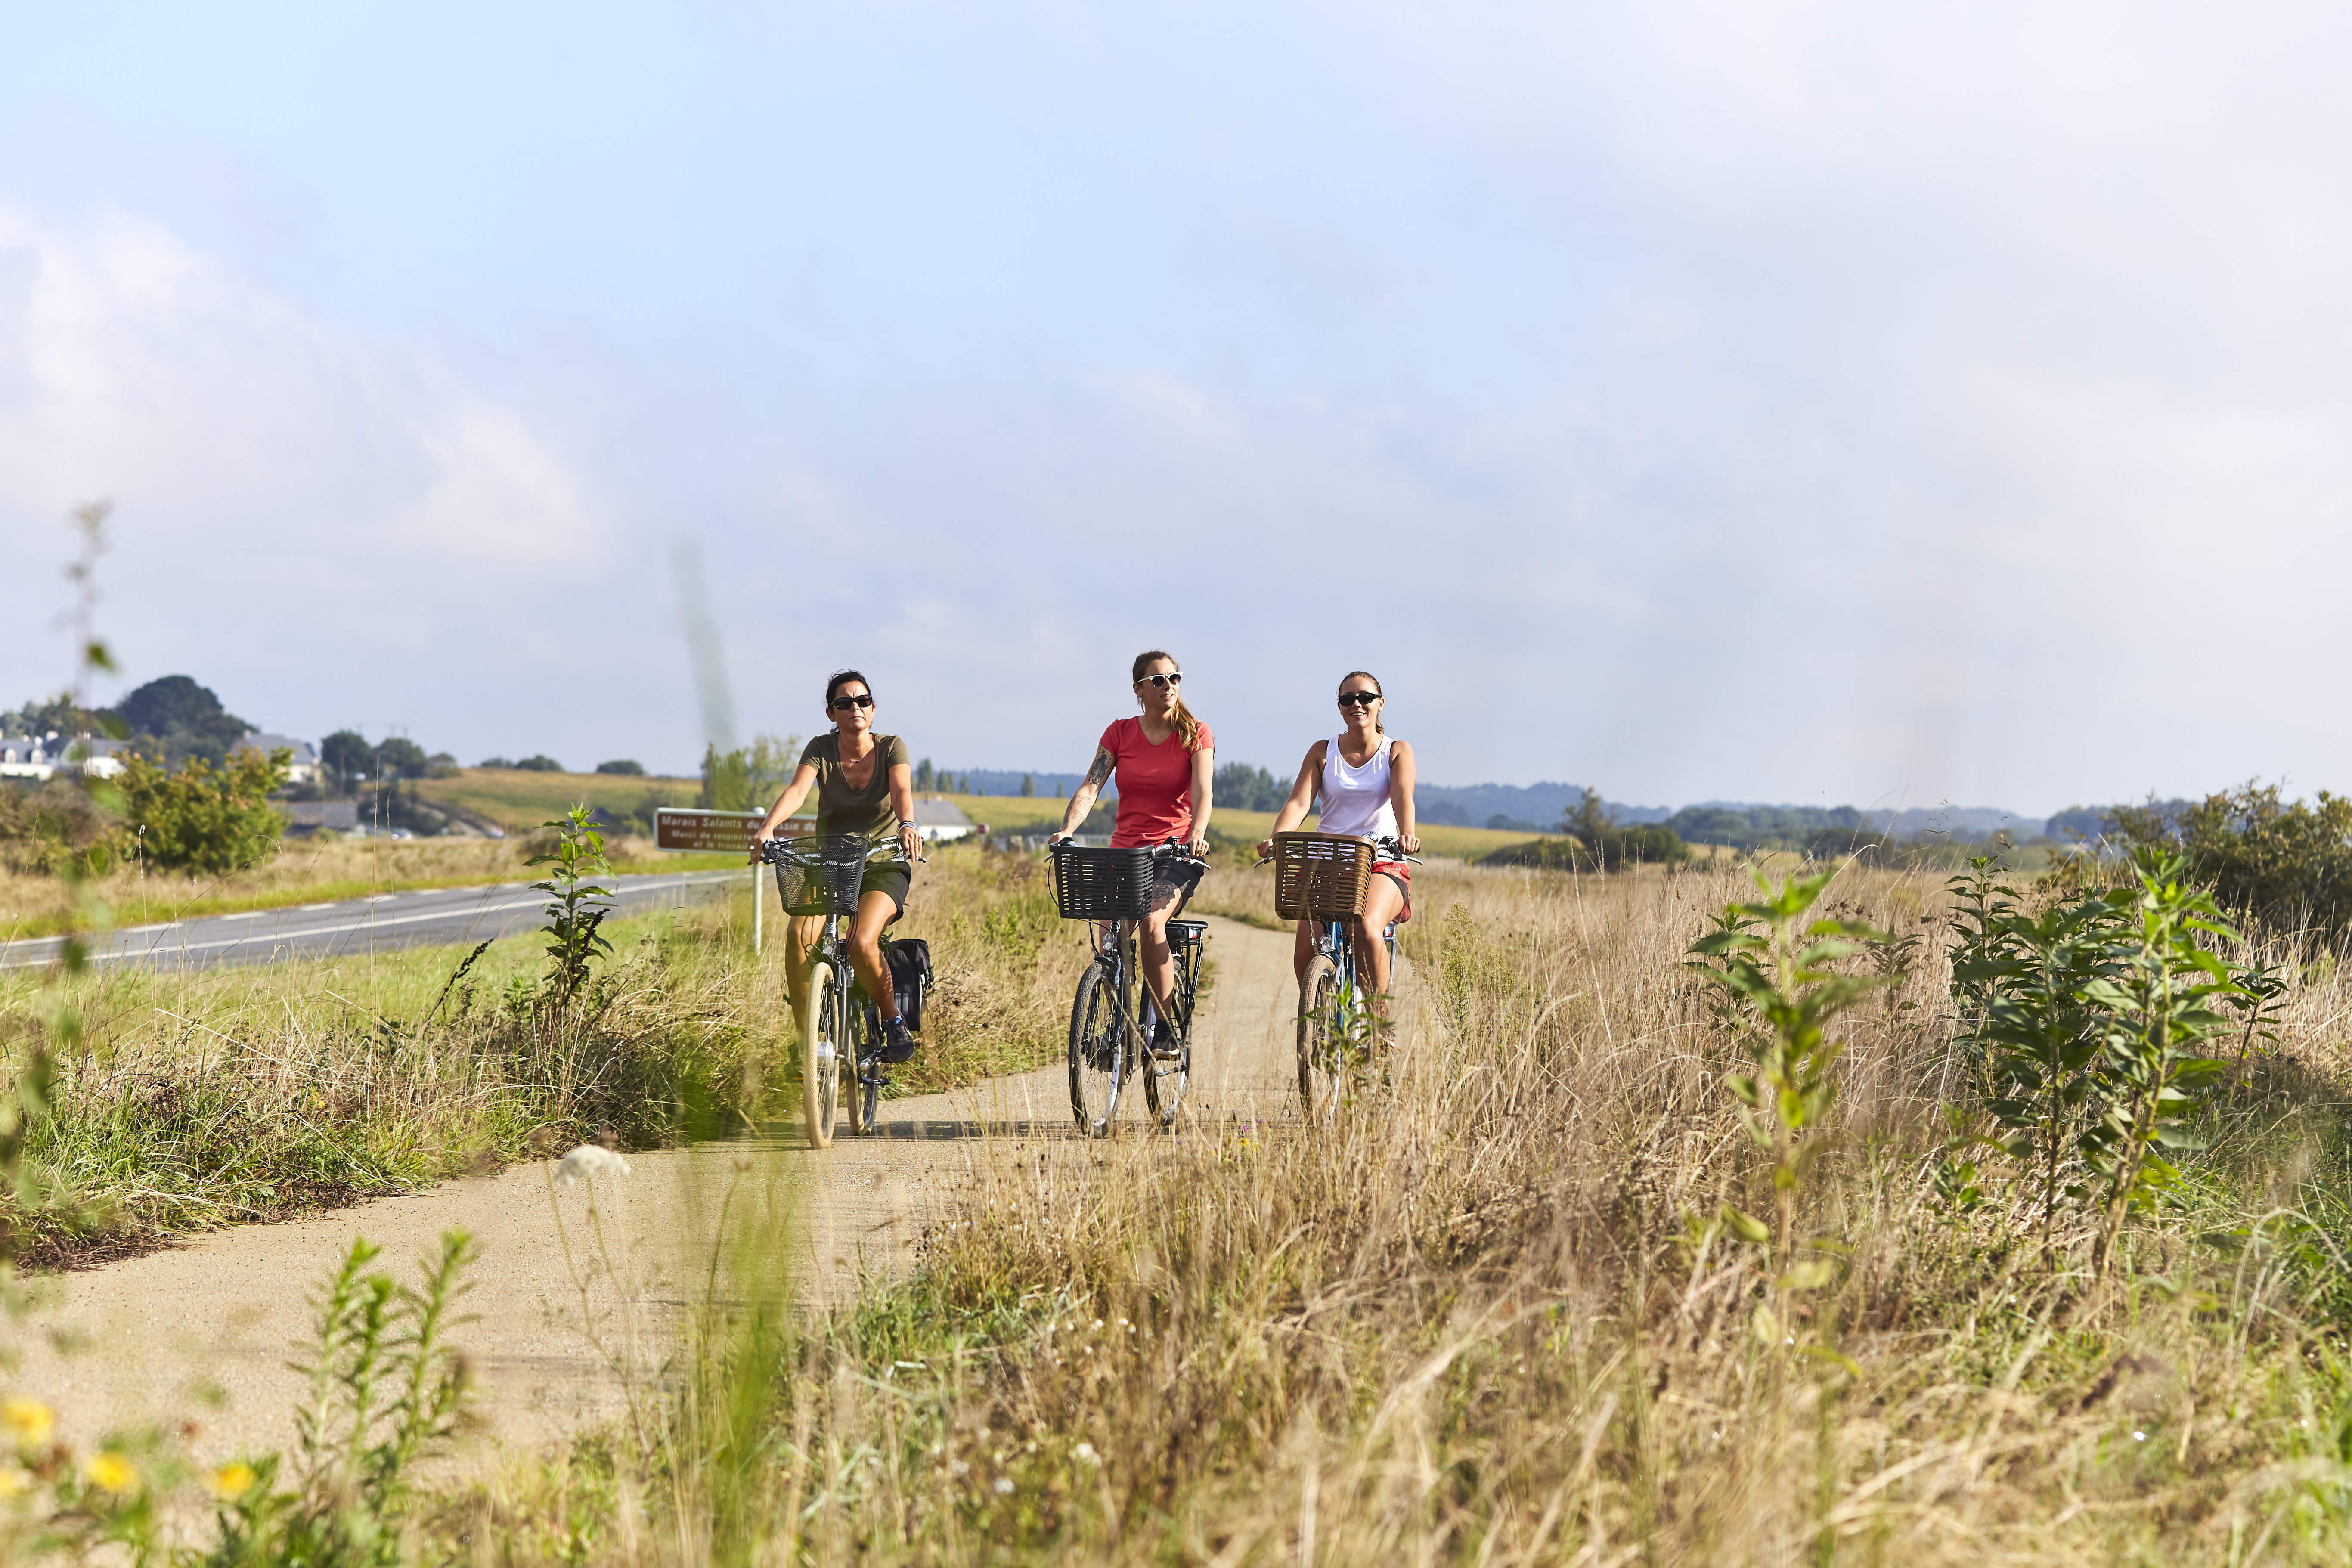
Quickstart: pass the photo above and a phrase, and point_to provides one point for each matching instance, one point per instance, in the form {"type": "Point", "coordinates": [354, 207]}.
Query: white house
{"type": "Point", "coordinates": [45, 756]}
{"type": "Point", "coordinates": [304, 769]}
{"type": "Point", "coordinates": [939, 821]}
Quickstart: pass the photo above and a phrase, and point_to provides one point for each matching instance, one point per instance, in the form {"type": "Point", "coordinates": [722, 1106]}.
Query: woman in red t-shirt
{"type": "Point", "coordinates": [1162, 763]}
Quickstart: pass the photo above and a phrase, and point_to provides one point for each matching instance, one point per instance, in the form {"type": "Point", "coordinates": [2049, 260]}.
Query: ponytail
{"type": "Point", "coordinates": [1188, 727]}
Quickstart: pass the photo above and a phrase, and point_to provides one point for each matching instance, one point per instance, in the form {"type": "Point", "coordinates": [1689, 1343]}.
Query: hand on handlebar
{"type": "Point", "coordinates": [1409, 843]}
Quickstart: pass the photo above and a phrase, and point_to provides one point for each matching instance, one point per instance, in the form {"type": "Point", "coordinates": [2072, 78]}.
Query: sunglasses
{"type": "Point", "coordinates": [1162, 681]}
{"type": "Point", "coordinates": [844, 704]}
{"type": "Point", "coordinates": [1359, 698]}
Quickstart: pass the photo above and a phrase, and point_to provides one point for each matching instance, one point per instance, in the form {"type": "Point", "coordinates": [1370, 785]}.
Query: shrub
{"type": "Point", "coordinates": [539, 765]}
{"type": "Point", "coordinates": [625, 765]}
{"type": "Point", "coordinates": [2287, 863]}
{"type": "Point", "coordinates": [42, 826]}
{"type": "Point", "coordinates": [204, 819]}
{"type": "Point", "coordinates": [1592, 842]}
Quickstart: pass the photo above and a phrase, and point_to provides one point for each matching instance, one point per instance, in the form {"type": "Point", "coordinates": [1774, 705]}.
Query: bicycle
{"type": "Point", "coordinates": [838, 1022]}
{"type": "Point", "coordinates": [1111, 890]}
{"type": "Point", "coordinates": [1323, 878]}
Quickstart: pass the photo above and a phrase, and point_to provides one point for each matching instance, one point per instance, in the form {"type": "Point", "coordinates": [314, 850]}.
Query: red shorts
{"type": "Point", "coordinates": [1401, 874]}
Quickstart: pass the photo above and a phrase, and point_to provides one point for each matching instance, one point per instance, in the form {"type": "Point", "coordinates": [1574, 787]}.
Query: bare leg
{"type": "Point", "coordinates": [1382, 903]}
{"type": "Point", "coordinates": [1158, 961]}
{"type": "Point", "coordinates": [1303, 954]}
{"type": "Point", "coordinates": [875, 911]}
{"type": "Point", "coordinates": [802, 933]}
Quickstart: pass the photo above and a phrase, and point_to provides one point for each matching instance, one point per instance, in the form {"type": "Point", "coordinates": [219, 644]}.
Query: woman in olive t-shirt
{"type": "Point", "coordinates": [863, 786]}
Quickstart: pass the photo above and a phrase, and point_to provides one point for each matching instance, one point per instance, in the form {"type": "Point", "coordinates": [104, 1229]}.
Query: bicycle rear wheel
{"type": "Point", "coordinates": [866, 1087]}
{"type": "Point", "coordinates": [1164, 1082]}
{"type": "Point", "coordinates": [823, 1042]}
{"type": "Point", "coordinates": [1098, 1051]}
{"type": "Point", "coordinates": [1322, 1055]}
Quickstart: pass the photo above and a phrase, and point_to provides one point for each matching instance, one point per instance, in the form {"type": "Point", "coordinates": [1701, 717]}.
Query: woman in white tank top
{"type": "Point", "coordinates": [1364, 779]}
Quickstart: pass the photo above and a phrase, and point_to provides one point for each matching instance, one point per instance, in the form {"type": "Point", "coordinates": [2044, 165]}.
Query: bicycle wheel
{"type": "Point", "coordinates": [823, 1043]}
{"type": "Point", "coordinates": [1322, 1056]}
{"type": "Point", "coordinates": [1098, 1051]}
{"type": "Point", "coordinates": [866, 1087]}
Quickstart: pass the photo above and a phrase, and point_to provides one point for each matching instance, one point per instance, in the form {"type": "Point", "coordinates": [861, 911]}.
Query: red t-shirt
{"type": "Point", "coordinates": [1155, 784]}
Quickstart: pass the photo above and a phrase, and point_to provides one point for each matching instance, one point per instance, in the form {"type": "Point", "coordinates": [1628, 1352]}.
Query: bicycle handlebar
{"type": "Point", "coordinates": [780, 852]}
{"type": "Point", "coordinates": [1378, 846]}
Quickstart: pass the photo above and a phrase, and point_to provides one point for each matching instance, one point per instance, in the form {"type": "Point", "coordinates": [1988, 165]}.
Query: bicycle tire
{"type": "Point", "coordinates": [1098, 1054]}
{"type": "Point", "coordinates": [821, 1050]}
{"type": "Point", "coordinates": [1321, 1067]}
{"type": "Point", "coordinates": [864, 1089]}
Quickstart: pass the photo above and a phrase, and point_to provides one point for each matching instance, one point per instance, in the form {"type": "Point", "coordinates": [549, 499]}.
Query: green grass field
{"type": "Point", "coordinates": [519, 801]}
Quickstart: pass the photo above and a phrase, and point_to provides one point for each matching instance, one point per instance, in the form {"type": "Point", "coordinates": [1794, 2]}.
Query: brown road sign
{"type": "Point", "coordinates": [719, 832]}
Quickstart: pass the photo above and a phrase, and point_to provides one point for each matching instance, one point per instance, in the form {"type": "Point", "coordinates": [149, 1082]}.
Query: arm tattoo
{"type": "Point", "coordinates": [1098, 774]}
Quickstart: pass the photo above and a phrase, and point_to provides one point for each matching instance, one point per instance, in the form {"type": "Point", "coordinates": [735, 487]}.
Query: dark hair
{"type": "Point", "coordinates": [839, 679]}
{"type": "Point", "coordinates": [1188, 728]}
{"type": "Point", "coordinates": [1377, 728]}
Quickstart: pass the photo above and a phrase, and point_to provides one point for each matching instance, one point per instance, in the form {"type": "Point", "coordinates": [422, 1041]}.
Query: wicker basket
{"type": "Point", "coordinates": [831, 888]}
{"type": "Point", "coordinates": [1102, 884]}
{"type": "Point", "coordinates": [1320, 876]}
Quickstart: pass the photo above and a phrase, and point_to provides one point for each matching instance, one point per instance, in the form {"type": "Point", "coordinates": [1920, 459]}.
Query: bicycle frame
{"type": "Point", "coordinates": [840, 1022]}
{"type": "Point", "coordinates": [1109, 1017]}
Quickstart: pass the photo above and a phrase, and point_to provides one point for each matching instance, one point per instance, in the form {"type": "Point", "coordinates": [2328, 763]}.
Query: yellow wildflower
{"type": "Point", "coordinates": [30, 1420]}
{"type": "Point", "coordinates": [230, 1482]}
{"type": "Point", "coordinates": [14, 1481]}
{"type": "Point", "coordinates": [110, 1472]}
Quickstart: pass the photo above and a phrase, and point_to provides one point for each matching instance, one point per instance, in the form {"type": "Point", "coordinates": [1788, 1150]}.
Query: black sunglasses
{"type": "Point", "coordinates": [1359, 698]}
{"type": "Point", "coordinates": [1163, 681]}
{"type": "Point", "coordinates": [844, 704]}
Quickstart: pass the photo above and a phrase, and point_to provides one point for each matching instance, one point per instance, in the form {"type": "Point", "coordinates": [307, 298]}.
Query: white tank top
{"type": "Point", "coordinates": [1356, 800]}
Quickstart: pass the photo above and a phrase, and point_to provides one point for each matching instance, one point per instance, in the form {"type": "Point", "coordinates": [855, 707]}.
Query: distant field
{"type": "Point", "coordinates": [519, 800]}
{"type": "Point", "coordinates": [1013, 813]}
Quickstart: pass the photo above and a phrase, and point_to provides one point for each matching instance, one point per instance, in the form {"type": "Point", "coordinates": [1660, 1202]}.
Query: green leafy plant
{"type": "Point", "coordinates": [1781, 967]}
{"type": "Point", "coordinates": [202, 819]}
{"type": "Point", "coordinates": [576, 906]}
{"type": "Point", "coordinates": [2163, 1006]}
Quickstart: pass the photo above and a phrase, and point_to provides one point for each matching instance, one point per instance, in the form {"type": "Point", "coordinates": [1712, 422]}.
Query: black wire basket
{"type": "Point", "coordinates": [1102, 884]}
{"type": "Point", "coordinates": [831, 885]}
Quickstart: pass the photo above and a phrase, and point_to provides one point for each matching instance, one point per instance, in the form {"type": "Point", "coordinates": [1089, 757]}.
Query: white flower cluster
{"type": "Point", "coordinates": [588, 1162]}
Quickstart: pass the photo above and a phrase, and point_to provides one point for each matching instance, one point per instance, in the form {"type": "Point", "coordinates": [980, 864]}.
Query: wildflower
{"type": "Point", "coordinates": [1085, 1454]}
{"type": "Point", "coordinates": [230, 1482]}
{"type": "Point", "coordinates": [1003, 1486]}
{"type": "Point", "coordinates": [110, 1472]}
{"type": "Point", "coordinates": [29, 1420]}
{"type": "Point", "coordinates": [14, 1481]}
{"type": "Point", "coordinates": [587, 1163]}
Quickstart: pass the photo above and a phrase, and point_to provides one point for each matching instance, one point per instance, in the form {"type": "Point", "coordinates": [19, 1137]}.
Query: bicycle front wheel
{"type": "Point", "coordinates": [823, 1041]}
{"type": "Point", "coordinates": [1322, 1057]}
{"type": "Point", "coordinates": [1099, 1054]}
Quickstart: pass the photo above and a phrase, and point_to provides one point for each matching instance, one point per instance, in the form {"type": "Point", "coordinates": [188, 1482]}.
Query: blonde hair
{"type": "Point", "coordinates": [1188, 728]}
{"type": "Point", "coordinates": [1377, 728]}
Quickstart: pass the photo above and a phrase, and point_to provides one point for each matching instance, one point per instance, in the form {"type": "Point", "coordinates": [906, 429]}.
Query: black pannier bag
{"type": "Point", "coordinates": [910, 977]}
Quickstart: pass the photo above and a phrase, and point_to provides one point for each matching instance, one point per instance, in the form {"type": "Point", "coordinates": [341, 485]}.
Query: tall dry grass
{"type": "Point", "coordinates": [1485, 1321]}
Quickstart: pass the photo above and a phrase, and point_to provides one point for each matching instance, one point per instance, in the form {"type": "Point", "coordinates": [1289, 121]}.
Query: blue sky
{"type": "Point", "coordinates": [1802, 402]}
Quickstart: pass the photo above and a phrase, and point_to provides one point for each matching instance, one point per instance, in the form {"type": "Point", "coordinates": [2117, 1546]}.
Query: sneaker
{"type": "Point", "coordinates": [898, 1044]}
{"type": "Point", "coordinates": [1164, 1043]}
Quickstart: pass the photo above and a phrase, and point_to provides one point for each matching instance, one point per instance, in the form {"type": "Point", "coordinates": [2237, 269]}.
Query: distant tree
{"type": "Point", "coordinates": [1241, 787]}
{"type": "Point", "coordinates": [344, 754]}
{"type": "Point", "coordinates": [924, 778]}
{"type": "Point", "coordinates": [750, 777]}
{"type": "Point", "coordinates": [399, 754]}
{"type": "Point", "coordinates": [495, 763]}
{"type": "Point", "coordinates": [539, 765]}
{"type": "Point", "coordinates": [632, 769]}
{"type": "Point", "coordinates": [440, 765]}
{"type": "Point", "coordinates": [184, 720]}
{"type": "Point", "coordinates": [58, 716]}
{"type": "Point", "coordinates": [1028, 786]}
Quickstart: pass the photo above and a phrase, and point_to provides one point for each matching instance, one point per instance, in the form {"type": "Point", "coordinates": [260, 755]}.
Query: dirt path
{"type": "Point", "coordinates": [200, 1336]}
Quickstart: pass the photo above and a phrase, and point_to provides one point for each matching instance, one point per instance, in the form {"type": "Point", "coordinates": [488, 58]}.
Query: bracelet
{"type": "Point", "coordinates": [906, 822]}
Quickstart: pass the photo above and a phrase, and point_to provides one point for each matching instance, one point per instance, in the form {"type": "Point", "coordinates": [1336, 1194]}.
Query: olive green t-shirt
{"type": "Point", "coordinates": [839, 808]}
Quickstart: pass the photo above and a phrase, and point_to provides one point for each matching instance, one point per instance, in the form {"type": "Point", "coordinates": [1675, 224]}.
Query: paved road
{"type": "Point", "coordinates": [429, 917]}
{"type": "Point", "coordinates": [200, 1334]}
